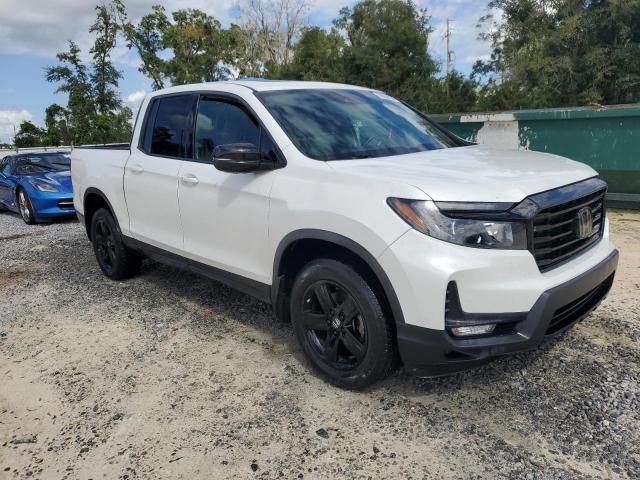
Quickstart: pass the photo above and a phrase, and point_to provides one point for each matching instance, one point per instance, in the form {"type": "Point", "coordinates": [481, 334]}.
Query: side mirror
{"type": "Point", "coordinates": [237, 158]}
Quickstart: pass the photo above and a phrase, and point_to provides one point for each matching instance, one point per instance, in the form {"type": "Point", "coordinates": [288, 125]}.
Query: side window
{"type": "Point", "coordinates": [168, 134]}
{"type": "Point", "coordinates": [5, 166]}
{"type": "Point", "coordinates": [220, 123]}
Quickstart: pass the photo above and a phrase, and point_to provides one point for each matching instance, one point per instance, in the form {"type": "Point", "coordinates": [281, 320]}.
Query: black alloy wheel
{"type": "Point", "coordinates": [334, 325]}
{"type": "Point", "coordinates": [114, 259]}
{"type": "Point", "coordinates": [105, 247]}
{"type": "Point", "coordinates": [341, 325]}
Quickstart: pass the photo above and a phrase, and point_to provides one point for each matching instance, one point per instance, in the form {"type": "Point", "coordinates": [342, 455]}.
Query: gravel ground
{"type": "Point", "coordinates": [169, 375]}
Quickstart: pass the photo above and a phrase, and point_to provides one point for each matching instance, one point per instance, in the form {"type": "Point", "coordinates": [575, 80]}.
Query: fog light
{"type": "Point", "coordinates": [473, 330]}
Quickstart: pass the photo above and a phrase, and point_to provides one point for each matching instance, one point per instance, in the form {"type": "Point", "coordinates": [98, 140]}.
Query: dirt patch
{"type": "Point", "coordinates": [19, 235]}
{"type": "Point", "coordinates": [10, 277]}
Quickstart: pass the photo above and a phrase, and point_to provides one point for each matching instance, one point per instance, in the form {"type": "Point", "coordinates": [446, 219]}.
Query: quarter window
{"type": "Point", "coordinates": [168, 136]}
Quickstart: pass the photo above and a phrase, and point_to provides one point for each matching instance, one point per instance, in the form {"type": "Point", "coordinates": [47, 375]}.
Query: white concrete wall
{"type": "Point", "coordinates": [499, 131]}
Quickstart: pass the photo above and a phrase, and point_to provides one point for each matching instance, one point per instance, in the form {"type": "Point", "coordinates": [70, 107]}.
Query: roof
{"type": "Point", "coordinates": [259, 85]}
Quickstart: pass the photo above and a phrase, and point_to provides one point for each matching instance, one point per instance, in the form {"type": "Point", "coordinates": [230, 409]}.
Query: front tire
{"type": "Point", "coordinates": [114, 259]}
{"type": "Point", "coordinates": [341, 325]}
{"type": "Point", "coordinates": [26, 207]}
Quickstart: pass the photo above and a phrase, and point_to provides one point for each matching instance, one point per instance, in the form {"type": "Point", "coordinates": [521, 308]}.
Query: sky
{"type": "Point", "coordinates": [33, 31]}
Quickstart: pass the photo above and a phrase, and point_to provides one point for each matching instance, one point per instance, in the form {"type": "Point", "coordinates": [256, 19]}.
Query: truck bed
{"type": "Point", "coordinates": [106, 146]}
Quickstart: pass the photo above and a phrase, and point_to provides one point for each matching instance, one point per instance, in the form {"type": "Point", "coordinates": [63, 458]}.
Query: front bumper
{"type": "Point", "coordinates": [431, 352]}
{"type": "Point", "coordinates": [52, 204]}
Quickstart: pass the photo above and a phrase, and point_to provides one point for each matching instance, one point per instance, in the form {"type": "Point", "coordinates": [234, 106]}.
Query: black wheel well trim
{"type": "Point", "coordinates": [344, 242]}
{"type": "Point", "coordinates": [94, 191]}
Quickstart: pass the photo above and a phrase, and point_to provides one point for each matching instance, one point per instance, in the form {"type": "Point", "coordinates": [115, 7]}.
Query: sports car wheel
{"type": "Point", "coordinates": [26, 208]}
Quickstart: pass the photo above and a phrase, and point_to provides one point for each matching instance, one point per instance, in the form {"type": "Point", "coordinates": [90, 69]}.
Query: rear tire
{"type": "Point", "coordinates": [26, 207]}
{"type": "Point", "coordinates": [114, 259]}
{"type": "Point", "coordinates": [341, 325]}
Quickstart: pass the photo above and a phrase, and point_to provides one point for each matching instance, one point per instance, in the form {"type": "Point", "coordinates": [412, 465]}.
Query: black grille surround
{"type": "Point", "coordinates": [555, 237]}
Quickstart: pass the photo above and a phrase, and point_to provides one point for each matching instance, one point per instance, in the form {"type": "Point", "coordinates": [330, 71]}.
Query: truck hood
{"type": "Point", "coordinates": [473, 174]}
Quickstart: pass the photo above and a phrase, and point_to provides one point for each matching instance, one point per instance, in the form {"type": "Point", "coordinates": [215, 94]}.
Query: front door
{"type": "Point", "coordinates": [224, 215]}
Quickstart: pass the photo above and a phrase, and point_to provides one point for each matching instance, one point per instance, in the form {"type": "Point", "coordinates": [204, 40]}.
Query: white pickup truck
{"type": "Point", "coordinates": [382, 237]}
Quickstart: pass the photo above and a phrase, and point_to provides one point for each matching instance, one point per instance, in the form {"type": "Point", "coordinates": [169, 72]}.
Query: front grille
{"type": "Point", "coordinates": [579, 308]}
{"type": "Point", "coordinates": [556, 235]}
{"type": "Point", "coordinates": [65, 203]}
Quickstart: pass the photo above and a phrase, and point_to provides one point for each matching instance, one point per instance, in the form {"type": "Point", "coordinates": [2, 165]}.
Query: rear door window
{"type": "Point", "coordinates": [169, 135]}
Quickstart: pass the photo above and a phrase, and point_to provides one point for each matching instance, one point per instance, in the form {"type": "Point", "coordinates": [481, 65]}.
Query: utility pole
{"type": "Point", "coordinates": [450, 56]}
{"type": "Point", "coordinates": [450, 53]}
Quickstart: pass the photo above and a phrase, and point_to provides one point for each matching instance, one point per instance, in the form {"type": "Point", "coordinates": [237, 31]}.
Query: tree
{"type": "Point", "coordinates": [201, 50]}
{"type": "Point", "coordinates": [147, 39]}
{"type": "Point", "coordinates": [271, 29]}
{"type": "Point", "coordinates": [29, 135]}
{"type": "Point", "coordinates": [72, 77]}
{"type": "Point", "coordinates": [57, 126]}
{"type": "Point", "coordinates": [387, 44]}
{"type": "Point", "coordinates": [318, 55]}
{"type": "Point", "coordinates": [112, 122]}
{"type": "Point", "coordinates": [94, 112]}
{"type": "Point", "coordinates": [453, 93]}
{"type": "Point", "coordinates": [561, 53]}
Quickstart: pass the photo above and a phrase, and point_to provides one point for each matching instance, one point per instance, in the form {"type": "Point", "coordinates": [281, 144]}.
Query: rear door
{"type": "Point", "coordinates": [151, 173]}
{"type": "Point", "coordinates": [224, 215]}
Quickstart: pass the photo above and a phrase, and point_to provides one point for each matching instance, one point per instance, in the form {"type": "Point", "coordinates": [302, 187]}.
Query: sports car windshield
{"type": "Point", "coordinates": [38, 163]}
{"type": "Point", "coordinates": [328, 124]}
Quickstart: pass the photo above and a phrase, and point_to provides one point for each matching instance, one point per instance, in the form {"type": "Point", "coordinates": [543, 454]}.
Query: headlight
{"type": "Point", "coordinates": [42, 186]}
{"type": "Point", "coordinates": [425, 217]}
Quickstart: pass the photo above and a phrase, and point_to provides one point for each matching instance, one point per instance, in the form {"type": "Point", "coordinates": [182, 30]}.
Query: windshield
{"type": "Point", "coordinates": [336, 124]}
{"type": "Point", "coordinates": [42, 162]}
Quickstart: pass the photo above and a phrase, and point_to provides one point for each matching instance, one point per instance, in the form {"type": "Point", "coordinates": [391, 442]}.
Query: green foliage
{"type": "Point", "coordinates": [201, 50]}
{"type": "Point", "coordinates": [29, 135]}
{"type": "Point", "coordinates": [317, 56]}
{"type": "Point", "coordinates": [147, 39]}
{"type": "Point", "coordinates": [94, 112]}
{"type": "Point", "coordinates": [380, 44]}
{"type": "Point", "coordinates": [387, 47]}
{"type": "Point", "coordinates": [546, 53]}
{"type": "Point", "coordinates": [562, 53]}
{"type": "Point", "coordinates": [57, 126]}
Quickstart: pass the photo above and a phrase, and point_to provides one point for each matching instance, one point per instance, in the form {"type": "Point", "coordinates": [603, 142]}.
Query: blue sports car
{"type": "Point", "coordinates": [37, 185]}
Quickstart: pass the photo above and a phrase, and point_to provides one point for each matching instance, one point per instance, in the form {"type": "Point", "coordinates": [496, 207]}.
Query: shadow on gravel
{"type": "Point", "coordinates": [63, 220]}
{"type": "Point", "coordinates": [216, 305]}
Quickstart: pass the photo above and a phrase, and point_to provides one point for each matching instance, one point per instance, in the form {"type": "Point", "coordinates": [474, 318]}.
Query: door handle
{"type": "Point", "coordinates": [190, 179]}
{"type": "Point", "coordinates": [136, 169]}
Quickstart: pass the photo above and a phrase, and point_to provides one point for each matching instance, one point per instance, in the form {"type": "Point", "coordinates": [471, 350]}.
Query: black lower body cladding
{"type": "Point", "coordinates": [427, 352]}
